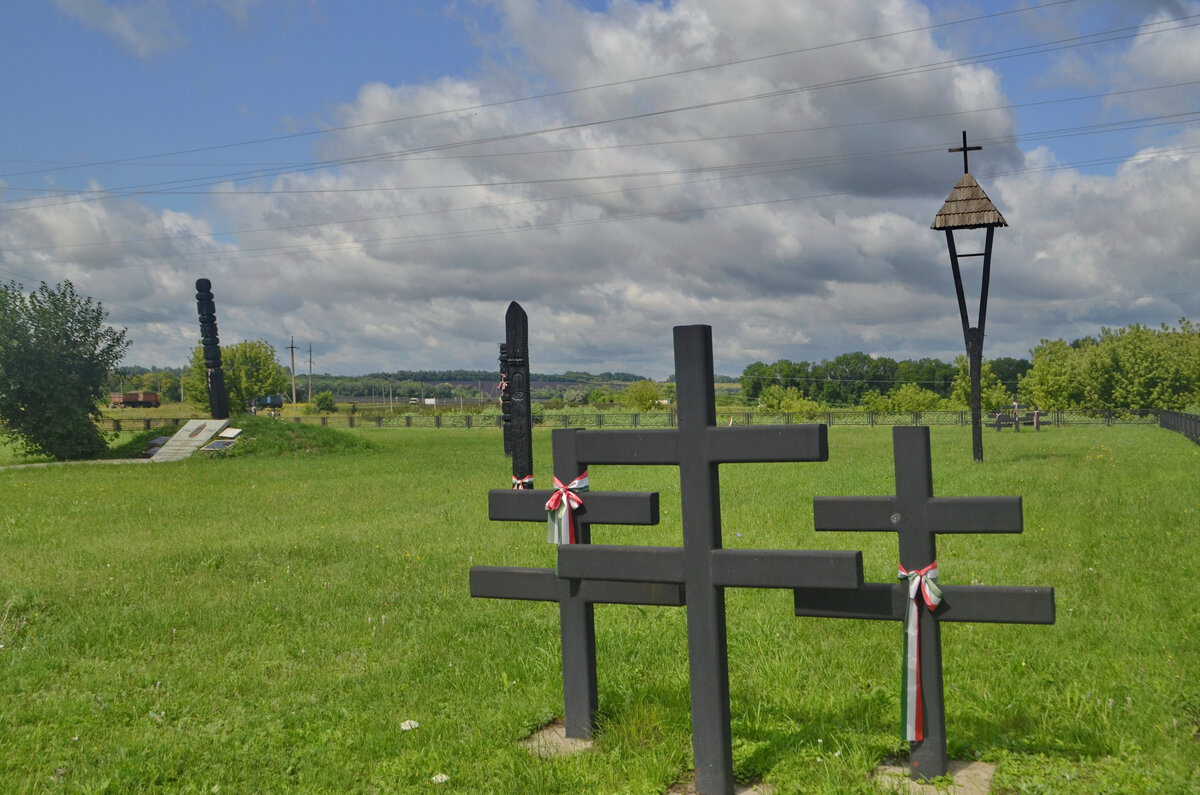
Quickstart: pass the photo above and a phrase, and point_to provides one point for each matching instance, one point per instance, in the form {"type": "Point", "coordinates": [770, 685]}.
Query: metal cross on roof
{"type": "Point", "coordinates": [917, 517]}
{"type": "Point", "coordinates": [965, 149]}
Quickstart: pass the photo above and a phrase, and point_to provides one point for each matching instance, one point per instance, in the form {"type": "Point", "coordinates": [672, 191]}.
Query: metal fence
{"type": "Point", "coordinates": [1184, 423]}
{"type": "Point", "coordinates": [1187, 424]}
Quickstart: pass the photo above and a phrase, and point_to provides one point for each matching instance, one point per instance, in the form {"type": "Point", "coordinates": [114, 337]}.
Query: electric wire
{"type": "Point", "coordinates": [550, 94]}
{"type": "Point", "coordinates": [1100, 37]}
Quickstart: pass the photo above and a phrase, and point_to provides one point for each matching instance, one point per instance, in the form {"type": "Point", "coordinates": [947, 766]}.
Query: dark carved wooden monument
{"type": "Point", "coordinates": [968, 207]}
{"type": "Point", "coordinates": [918, 600]}
{"type": "Point", "coordinates": [699, 571]}
{"type": "Point", "coordinates": [516, 416]}
{"type": "Point", "coordinates": [218, 398]}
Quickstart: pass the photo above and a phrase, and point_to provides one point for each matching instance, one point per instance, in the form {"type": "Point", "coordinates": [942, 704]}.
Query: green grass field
{"type": "Point", "coordinates": [268, 621]}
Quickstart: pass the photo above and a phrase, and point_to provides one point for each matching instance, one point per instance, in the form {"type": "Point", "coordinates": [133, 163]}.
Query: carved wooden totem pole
{"type": "Point", "coordinates": [218, 399]}
{"type": "Point", "coordinates": [514, 396]}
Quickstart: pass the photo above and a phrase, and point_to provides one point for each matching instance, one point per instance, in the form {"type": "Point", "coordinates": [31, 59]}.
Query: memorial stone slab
{"type": "Point", "coordinates": [188, 439]}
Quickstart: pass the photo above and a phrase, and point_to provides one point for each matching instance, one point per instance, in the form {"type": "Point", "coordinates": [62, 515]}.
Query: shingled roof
{"type": "Point", "coordinates": [967, 207]}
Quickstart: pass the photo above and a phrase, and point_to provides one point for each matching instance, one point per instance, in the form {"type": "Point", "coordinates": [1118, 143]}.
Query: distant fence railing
{"type": "Point", "coordinates": [1187, 424]}
{"type": "Point", "coordinates": [1184, 423]}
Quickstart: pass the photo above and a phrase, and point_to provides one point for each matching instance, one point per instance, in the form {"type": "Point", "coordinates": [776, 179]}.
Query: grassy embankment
{"type": "Point", "coordinates": [267, 621]}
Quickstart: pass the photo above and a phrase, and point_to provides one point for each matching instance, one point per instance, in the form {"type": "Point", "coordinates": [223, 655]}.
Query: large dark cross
{"type": "Point", "coordinates": [701, 566]}
{"type": "Point", "coordinates": [917, 516]}
{"type": "Point", "coordinates": [965, 149]}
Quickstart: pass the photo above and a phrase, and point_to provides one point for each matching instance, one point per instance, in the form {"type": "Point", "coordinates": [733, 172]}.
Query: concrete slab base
{"type": "Point", "coordinates": [552, 741]}
{"type": "Point", "coordinates": [188, 439]}
{"type": "Point", "coordinates": [970, 778]}
{"type": "Point", "coordinates": [739, 789]}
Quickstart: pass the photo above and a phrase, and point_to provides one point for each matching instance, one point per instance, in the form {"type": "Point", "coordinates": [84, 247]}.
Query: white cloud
{"type": "Point", "coordinates": [797, 225]}
{"type": "Point", "coordinates": [145, 29]}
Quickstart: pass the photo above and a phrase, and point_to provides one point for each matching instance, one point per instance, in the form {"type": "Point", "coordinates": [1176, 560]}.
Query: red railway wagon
{"type": "Point", "coordinates": [123, 400]}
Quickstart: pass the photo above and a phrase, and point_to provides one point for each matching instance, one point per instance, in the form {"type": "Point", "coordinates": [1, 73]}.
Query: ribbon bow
{"type": "Point", "coordinates": [922, 586]}
{"type": "Point", "coordinates": [560, 508]}
{"type": "Point", "coordinates": [522, 483]}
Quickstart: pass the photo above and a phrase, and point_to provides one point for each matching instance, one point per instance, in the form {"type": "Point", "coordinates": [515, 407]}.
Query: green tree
{"type": "Point", "coordinates": [323, 402]}
{"type": "Point", "coordinates": [1009, 370]}
{"type": "Point", "coordinates": [910, 397]}
{"type": "Point", "coordinates": [642, 395]}
{"type": "Point", "coordinates": [55, 354]}
{"type": "Point", "coordinates": [846, 378]}
{"type": "Point", "coordinates": [788, 399]}
{"type": "Point", "coordinates": [993, 395]}
{"type": "Point", "coordinates": [1056, 380]}
{"type": "Point", "coordinates": [874, 402]}
{"type": "Point", "coordinates": [251, 372]}
{"type": "Point", "coordinates": [599, 396]}
{"type": "Point", "coordinates": [1135, 367]}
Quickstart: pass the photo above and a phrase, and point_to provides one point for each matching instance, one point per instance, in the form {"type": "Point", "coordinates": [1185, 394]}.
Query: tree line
{"type": "Point", "coordinates": [1131, 367]}
{"type": "Point", "coordinates": [1135, 367]}
{"type": "Point", "coordinates": [858, 379]}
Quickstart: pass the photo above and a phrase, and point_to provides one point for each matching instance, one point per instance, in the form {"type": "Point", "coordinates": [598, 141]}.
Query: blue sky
{"type": "Point", "coordinates": [146, 143]}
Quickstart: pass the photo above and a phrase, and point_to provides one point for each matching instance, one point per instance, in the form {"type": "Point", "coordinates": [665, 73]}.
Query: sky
{"type": "Point", "coordinates": [378, 180]}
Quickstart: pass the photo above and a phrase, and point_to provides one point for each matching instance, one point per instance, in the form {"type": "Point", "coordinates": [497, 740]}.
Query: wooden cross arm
{"type": "Point", "coordinates": [599, 507]}
{"type": "Point", "coordinates": [627, 447]}
{"type": "Point", "coordinates": [543, 585]}
{"type": "Point", "coordinates": [975, 515]}
{"type": "Point", "coordinates": [992, 604]}
{"type": "Point", "coordinates": [623, 563]}
{"type": "Point", "coordinates": [854, 513]}
{"type": "Point", "coordinates": [757, 444]}
{"type": "Point", "coordinates": [942, 514]}
{"type": "Point", "coordinates": [787, 568]}
{"type": "Point", "coordinates": [765, 443]}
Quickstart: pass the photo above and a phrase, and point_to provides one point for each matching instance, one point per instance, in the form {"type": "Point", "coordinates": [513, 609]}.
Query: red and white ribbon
{"type": "Point", "coordinates": [560, 516]}
{"type": "Point", "coordinates": [922, 587]}
{"type": "Point", "coordinates": [522, 483]}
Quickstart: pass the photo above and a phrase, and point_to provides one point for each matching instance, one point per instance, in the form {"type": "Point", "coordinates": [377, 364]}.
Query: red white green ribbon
{"type": "Point", "coordinates": [560, 508]}
{"type": "Point", "coordinates": [522, 483]}
{"type": "Point", "coordinates": [922, 587]}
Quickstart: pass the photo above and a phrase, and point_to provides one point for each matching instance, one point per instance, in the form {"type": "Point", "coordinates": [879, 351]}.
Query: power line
{"type": "Point", "coordinates": [1090, 39]}
{"type": "Point", "coordinates": [547, 95]}
{"type": "Point", "coordinates": [434, 237]}
{"type": "Point", "coordinates": [1039, 135]}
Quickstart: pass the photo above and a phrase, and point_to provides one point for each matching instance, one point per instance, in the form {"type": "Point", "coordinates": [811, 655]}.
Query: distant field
{"type": "Point", "coordinates": [267, 622]}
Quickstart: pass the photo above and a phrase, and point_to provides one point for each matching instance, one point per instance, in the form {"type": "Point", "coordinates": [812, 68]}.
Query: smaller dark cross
{"type": "Point", "coordinates": [917, 517]}
{"type": "Point", "coordinates": [965, 149]}
{"type": "Point", "coordinates": [577, 626]}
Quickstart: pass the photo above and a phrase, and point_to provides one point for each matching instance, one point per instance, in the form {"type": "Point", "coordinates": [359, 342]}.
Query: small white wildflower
{"type": "Point", "coordinates": [440, 778]}
{"type": "Point", "coordinates": [409, 725]}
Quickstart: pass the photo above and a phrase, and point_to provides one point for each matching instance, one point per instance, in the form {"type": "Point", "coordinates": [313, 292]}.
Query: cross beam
{"type": "Point", "coordinates": [575, 598]}
{"type": "Point", "coordinates": [965, 149]}
{"type": "Point", "coordinates": [703, 568]}
{"type": "Point", "coordinates": [918, 517]}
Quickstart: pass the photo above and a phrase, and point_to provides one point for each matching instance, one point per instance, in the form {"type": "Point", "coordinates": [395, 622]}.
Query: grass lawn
{"type": "Point", "coordinates": [269, 621]}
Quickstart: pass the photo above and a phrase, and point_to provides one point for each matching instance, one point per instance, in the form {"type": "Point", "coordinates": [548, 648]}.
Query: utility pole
{"type": "Point", "coordinates": [292, 348]}
{"type": "Point", "coordinates": [310, 372]}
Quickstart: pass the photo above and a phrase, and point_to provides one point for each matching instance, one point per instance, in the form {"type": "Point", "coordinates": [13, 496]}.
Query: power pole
{"type": "Point", "coordinates": [310, 372]}
{"type": "Point", "coordinates": [292, 348]}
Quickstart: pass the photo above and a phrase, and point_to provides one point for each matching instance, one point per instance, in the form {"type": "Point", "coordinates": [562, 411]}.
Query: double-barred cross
{"type": "Point", "coordinates": [696, 573]}
{"type": "Point", "coordinates": [917, 516]}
